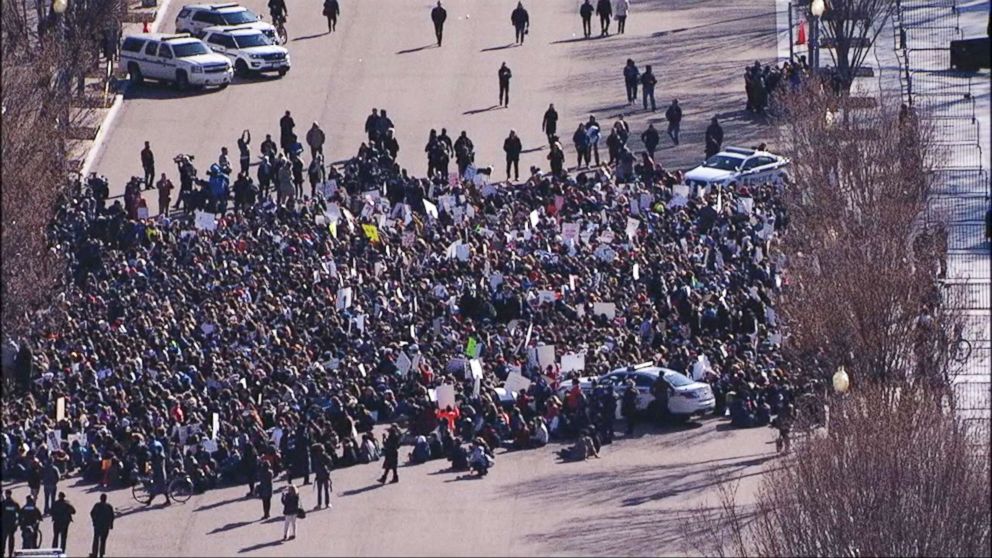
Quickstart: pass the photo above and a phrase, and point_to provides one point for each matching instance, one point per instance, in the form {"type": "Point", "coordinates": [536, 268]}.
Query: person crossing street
{"type": "Point", "coordinates": [521, 22]}
{"type": "Point", "coordinates": [674, 117]}
{"type": "Point", "coordinates": [504, 75]}
{"type": "Point", "coordinates": [332, 9]}
{"type": "Point", "coordinates": [391, 454]}
{"type": "Point", "coordinates": [438, 16]}
{"type": "Point", "coordinates": [585, 12]}
{"type": "Point", "coordinates": [605, 12]}
{"type": "Point", "coordinates": [512, 147]}
{"type": "Point", "coordinates": [549, 124]}
{"type": "Point", "coordinates": [102, 516]}
{"type": "Point", "coordinates": [648, 82]}
{"type": "Point", "coordinates": [62, 512]}
{"type": "Point", "coordinates": [148, 164]}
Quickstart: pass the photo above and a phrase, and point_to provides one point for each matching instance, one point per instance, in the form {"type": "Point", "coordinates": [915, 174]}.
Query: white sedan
{"type": "Point", "coordinates": [737, 165]}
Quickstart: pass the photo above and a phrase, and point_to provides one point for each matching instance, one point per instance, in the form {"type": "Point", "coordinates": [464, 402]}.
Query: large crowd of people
{"type": "Point", "coordinates": [274, 335]}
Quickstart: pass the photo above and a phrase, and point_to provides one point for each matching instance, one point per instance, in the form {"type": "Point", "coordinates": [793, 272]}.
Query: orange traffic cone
{"type": "Point", "coordinates": [801, 39]}
{"type": "Point", "coordinates": [144, 28]}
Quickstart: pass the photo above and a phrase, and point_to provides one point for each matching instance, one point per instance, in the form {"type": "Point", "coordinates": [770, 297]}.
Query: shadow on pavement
{"type": "Point", "coordinates": [416, 49]}
{"type": "Point", "coordinates": [577, 40]}
{"type": "Point", "coordinates": [355, 491]}
{"type": "Point", "coordinates": [219, 504]}
{"type": "Point", "coordinates": [314, 36]}
{"type": "Point", "coordinates": [477, 111]}
{"type": "Point", "coordinates": [501, 47]}
{"type": "Point", "coordinates": [230, 526]}
{"type": "Point", "coordinates": [163, 91]}
{"type": "Point", "coordinates": [259, 546]}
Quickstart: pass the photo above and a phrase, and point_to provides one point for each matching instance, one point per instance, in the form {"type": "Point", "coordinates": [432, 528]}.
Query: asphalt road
{"type": "Point", "coordinates": [383, 55]}
{"type": "Point", "coordinates": [644, 497]}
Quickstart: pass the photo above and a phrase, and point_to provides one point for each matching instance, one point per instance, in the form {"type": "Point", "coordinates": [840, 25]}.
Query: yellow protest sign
{"type": "Point", "coordinates": [371, 232]}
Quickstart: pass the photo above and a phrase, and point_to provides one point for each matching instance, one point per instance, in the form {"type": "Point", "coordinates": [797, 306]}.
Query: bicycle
{"type": "Point", "coordinates": [282, 37]}
{"type": "Point", "coordinates": [178, 488]}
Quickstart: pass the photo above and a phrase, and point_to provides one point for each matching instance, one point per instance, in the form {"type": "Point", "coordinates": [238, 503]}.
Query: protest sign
{"type": "Point", "coordinates": [573, 361]}
{"type": "Point", "coordinates": [408, 239]}
{"type": "Point", "coordinates": [371, 232]}
{"type": "Point", "coordinates": [445, 396]}
{"type": "Point", "coordinates": [545, 356]}
{"type": "Point", "coordinates": [745, 205]}
{"type": "Point", "coordinates": [143, 212]}
{"type": "Point", "coordinates": [205, 221]}
{"type": "Point", "coordinates": [515, 382]}
{"type": "Point", "coordinates": [344, 298]}
{"type": "Point", "coordinates": [59, 409]}
{"type": "Point", "coordinates": [636, 272]}
{"type": "Point", "coordinates": [632, 225]}
{"type": "Point", "coordinates": [569, 231]}
{"type": "Point", "coordinates": [475, 367]}
{"type": "Point", "coordinates": [472, 347]}
{"type": "Point", "coordinates": [214, 426]}
{"type": "Point", "coordinates": [608, 308]}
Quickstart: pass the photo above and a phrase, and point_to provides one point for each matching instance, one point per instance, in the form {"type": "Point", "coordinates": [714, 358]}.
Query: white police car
{"type": "Point", "coordinates": [737, 165]}
{"type": "Point", "coordinates": [181, 59]}
{"type": "Point", "coordinates": [195, 18]}
{"type": "Point", "coordinates": [248, 49]}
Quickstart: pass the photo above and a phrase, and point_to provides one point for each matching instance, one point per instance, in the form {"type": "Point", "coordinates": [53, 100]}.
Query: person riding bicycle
{"type": "Point", "coordinates": [160, 479]}
{"type": "Point", "coordinates": [278, 11]}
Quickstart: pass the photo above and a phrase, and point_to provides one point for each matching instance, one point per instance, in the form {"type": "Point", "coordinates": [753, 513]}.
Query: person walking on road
{"type": "Point", "coordinates": [512, 147]}
{"type": "Point", "coordinates": [244, 154]}
{"type": "Point", "coordinates": [631, 77]}
{"type": "Point", "coordinates": [322, 472]}
{"type": "Point", "coordinates": [286, 136]}
{"type": "Point", "coordinates": [50, 476]}
{"type": "Point", "coordinates": [674, 117]}
{"type": "Point", "coordinates": [648, 82]}
{"type": "Point", "coordinates": [159, 476]}
{"type": "Point", "coordinates": [549, 124]}
{"type": "Point", "coordinates": [9, 511]}
{"type": "Point", "coordinates": [265, 487]}
{"type": "Point", "coordinates": [650, 138]}
{"type": "Point", "coordinates": [504, 75]}
{"type": "Point", "coordinates": [278, 11]}
{"type": "Point", "coordinates": [521, 22]}
{"type": "Point", "coordinates": [332, 9]}
{"type": "Point", "coordinates": [102, 516]}
{"type": "Point", "coordinates": [148, 164]}
{"type": "Point", "coordinates": [620, 10]}
{"type": "Point", "coordinates": [62, 512]}
{"type": "Point", "coordinates": [585, 11]}
{"type": "Point", "coordinates": [605, 12]}
{"type": "Point", "coordinates": [315, 139]}
{"type": "Point", "coordinates": [29, 520]}
{"type": "Point", "coordinates": [714, 138]}
{"type": "Point", "coordinates": [391, 453]}
{"type": "Point", "coordinates": [290, 510]}
{"type": "Point", "coordinates": [438, 16]}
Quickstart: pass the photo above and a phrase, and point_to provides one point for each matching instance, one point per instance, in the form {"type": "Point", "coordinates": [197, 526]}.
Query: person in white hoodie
{"type": "Point", "coordinates": [620, 10]}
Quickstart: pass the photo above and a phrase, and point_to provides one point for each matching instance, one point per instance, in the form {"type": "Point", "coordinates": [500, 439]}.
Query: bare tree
{"type": "Point", "coordinates": [896, 475]}
{"type": "Point", "coordinates": [850, 28]}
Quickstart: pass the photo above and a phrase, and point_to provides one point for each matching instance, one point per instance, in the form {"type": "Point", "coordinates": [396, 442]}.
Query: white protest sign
{"type": "Point", "coordinates": [632, 225]}
{"type": "Point", "coordinates": [59, 409]}
{"type": "Point", "coordinates": [430, 209]}
{"type": "Point", "coordinates": [328, 188]}
{"type": "Point", "coordinates": [534, 218]}
{"type": "Point", "coordinates": [214, 426]}
{"type": "Point", "coordinates": [408, 239]}
{"type": "Point", "coordinates": [445, 396]}
{"type": "Point", "coordinates": [545, 296]}
{"type": "Point", "coordinates": [205, 221]}
{"type": "Point", "coordinates": [745, 205]}
{"type": "Point", "coordinates": [636, 272]}
{"type": "Point", "coordinates": [569, 231]}
{"type": "Point", "coordinates": [209, 445]}
{"type": "Point", "coordinates": [333, 213]}
{"type": "Point", "coordinates": [515, 382]}
{"type": "Point", "coordinates": [344, 298]}
{"type": "Point", "coordinates": [462, 252]}
{"type": "Point", "coordinates": [573, 361]}
{"type": "Point", "coordinates": [143, 212]}
{"type": "Point", "coordinates": [403, 363]}
{"type": "Point", "coordinates": [475, 365]}
{"type": "Point", "coordinates": [608, 308]}
{"type": "Point", "coordinates": [545, 356]}
{"type": "Point", "coordinates": [606, 236]}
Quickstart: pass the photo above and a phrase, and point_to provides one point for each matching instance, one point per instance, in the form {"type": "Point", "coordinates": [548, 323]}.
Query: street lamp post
{"type": "Point", "coordinates": [816, 9]}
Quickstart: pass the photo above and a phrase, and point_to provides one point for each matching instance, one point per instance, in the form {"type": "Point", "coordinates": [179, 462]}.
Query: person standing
{"type": "Point", "coordinates": [265, 487]}
{"type": "Point", "coordinates": [391, 449]}
{"type": "Point", "coordinates": [585, 11]}
{"type": "Point", "coordinates": [620, 10]}
{"type": "Point", "coordinates": [372, 126]}
{"type": "Point", "coordinates": [331, 11]}
{"type": "Point", "coordinates": [438, 16]}
{"type": "Point", "coordinates": [556, 157]}
{"type": "Point", "coordinates": [464, 152]}
{"type": "Point", "coordinates": [714, 138]}
{"type": "Point", "coordinates": [674, 117]}
{"type": "Point", "coordinates": [504, 75]}
{"type": "Point", "coordinates": [648, 82]}
{"type": "Point", "coordinates": [631, 77]}
{"type": "Point", "coordinates": [315, 139]}
{"type": "Point", "coordinates": [148, 164]}
{"type": "Point", "coordinates": [286, 136]}
{"type": "Point", "coordinates": [549, 124]}
{"type": "Point", "coordinates": [159, 476]}
{"type": "Point", "coordinates": [521, 22]}
{"type": "Point", "coordinates": [102, 516]}
{"type": "Point", "coordinates": [512, 147]}
{"type": "Point", "coordinates": [628, 406]}
{"type": "Point", "coordinates": [50, 476]}
{"type": "Point", "coordinates": [10, 510]}
{"type": "Point", "coordinates": [268, 146]}
{"type": "Point", "coordinates": [605, 12]}
{"type": "Point", "coordinates": [581, 140]}
{"type": "Point", "coordinates": [650, 138]}
{"type": "Point", "coordinates": [29, 520]}
{"type": "Point", "coordinates": [296, 163]}
{"type": "Point", "coordinates": [244, 155]}
{"type": "Point", "coordinates": [594, 133]}
{"type": "Point", "coordinates": [62, 512]}
{"type": "Point", "coordinates": [322, 473]}
{"type": "Point", "coordinates": [290, 509]}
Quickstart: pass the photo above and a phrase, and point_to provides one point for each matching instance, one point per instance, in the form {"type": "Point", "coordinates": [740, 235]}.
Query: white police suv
{"type": "Point", "coordinates": [248, 49]}
{"type": "Point", "coordinates": [178, 58]}
{"type": "Point", "coordinates": [737, 165]}
{"type": "Point", "coordinates": [195, 18]}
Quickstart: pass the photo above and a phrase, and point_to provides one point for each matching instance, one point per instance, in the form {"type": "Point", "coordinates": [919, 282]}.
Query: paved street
{"type": "Point", "coordinates": [641, 498]}
{"type": "Point", "coordinates": [383, 56]}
